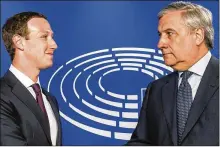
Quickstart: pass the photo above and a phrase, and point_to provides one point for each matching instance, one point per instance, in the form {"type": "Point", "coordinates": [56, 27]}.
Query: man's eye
{"type": "Point", "coordinates": [44, 36]}
{"type": "Point", "coordinates": [169, 33]}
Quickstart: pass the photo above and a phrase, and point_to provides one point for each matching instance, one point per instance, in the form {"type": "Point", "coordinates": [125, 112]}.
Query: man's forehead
{"type": "Point", "coordinates": [170, 20]}
{"type": "Point", "coordinates": [39, 25]}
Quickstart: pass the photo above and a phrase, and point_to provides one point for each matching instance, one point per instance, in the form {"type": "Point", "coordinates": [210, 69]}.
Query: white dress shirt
{"type": "Point", "coordinates": [27, 82]}
{"type": "Point", "coordinates": [198, 70]}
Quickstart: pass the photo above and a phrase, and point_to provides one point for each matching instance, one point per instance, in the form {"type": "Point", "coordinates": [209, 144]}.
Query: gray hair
{"type": "Point", "coordinates": [195, 16]}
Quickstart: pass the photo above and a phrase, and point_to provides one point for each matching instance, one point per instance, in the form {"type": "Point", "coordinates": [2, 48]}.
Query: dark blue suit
{"type": "Point", "coordinates": [157, 123]}
{"type": "Point", "coordinates": [22, 121]}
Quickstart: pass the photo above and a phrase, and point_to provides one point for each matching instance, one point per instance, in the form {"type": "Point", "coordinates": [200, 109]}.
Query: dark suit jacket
{"type": "Point", "coordinates": [157, 122]}
{"type": "Point", "coordinates": [22, 121]}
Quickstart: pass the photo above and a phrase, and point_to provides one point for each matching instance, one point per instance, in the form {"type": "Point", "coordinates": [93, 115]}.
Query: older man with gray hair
{"type": "Point", "coordinates": [182, 108]}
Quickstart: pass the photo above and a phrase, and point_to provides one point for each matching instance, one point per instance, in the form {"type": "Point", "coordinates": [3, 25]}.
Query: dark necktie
{"type": "Point", "coordinates": [184, 101]}
{"type": "Point", "coordinates": [37, 90]}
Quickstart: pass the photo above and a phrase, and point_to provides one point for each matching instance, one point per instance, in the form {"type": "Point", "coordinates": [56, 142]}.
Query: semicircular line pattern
{"type": "Point", "coordinates": [117, 116]}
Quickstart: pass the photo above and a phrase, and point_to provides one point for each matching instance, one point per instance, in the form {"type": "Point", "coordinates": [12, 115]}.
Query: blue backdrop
{"type": "Point", "coordinates": [107, 54]}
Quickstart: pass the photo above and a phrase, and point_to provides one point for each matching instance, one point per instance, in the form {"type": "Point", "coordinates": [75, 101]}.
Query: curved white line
{"type": "Point", "coordinates": [48, 87]}
{"type": "Point", "coordinates": [84, 55]}
{"type": "Point", "coordinates": [124, 124]}
{"type": "Point", "coordinates": [133, 55]}
{"type": "Point", "coordinates": [132, 97]}
{"type": "Point", "coordinates": [131, 105]}
{"type": "Point", "coordinates": [87, 87]}
{"type": "Point", "coordinates": [74, 85]}
{"type": "Point", "coordinates": [86, 128]}
{"type": "Point", "coordinates": [156, 77]}
{"type": "Point", "coordinates": [111, 103]}
{"type": "Point", "coordinates": [100, 85]}
{"type": "Point", "coordinates": [113, 70]}
{"type": "Point", "coordinates": [130, 115]}
{"type": "Point", "coordinates": [131, 60]}
{"type": "Point", "coordinates": [159, 52]}
{"type": "Point", "coordinates": [93, 118]}
{"type": "Point", "coordinates": [131, 64]}
{"type": "Point", "coordinates": [120, 96]}
{"type": "Point", "coordinates": [104, 67]}
{"type": "Point", "coordinates": [134, 49]}
{"type": "Point", "coordinates": [158, 58]}
{"type": "Point", "coordinates": [61, 85]}
{"type": "Point", "coordinates": [147, 72]}
{"type": "Point", "coordinates": [122, 136]}
{"type": "Point", "coordinates": [92, 59]}
{"type": "Point", "coordinates": [154, 69]}
{"type": "Point", "coordinates": [161, 65]}
{"type": "Point", "coordinates": [104, 111]}
{"type": "Point", "coordinates": [99, 63]}
{"type": "Point", "coordinates": [130, 68]}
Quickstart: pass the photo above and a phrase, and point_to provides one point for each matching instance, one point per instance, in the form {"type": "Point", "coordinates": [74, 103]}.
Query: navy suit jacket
{"type": "Point", "coordinates": [22, 121]}
{"type": "Point", "coordinates": [157, 123]}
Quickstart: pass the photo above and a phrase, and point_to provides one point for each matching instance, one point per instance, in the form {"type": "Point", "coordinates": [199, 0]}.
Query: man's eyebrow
{"type": "Point", "coordinates": [169, 30]}
{"type": "Point", "coordinates": [46, 32]}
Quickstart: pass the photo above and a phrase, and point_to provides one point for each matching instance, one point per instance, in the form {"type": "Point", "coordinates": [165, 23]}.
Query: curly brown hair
{"type": "Point", "coordinates": [17, 24]}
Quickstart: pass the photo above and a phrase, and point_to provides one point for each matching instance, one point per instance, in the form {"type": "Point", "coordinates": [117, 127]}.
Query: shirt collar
{"type": "Point", "coordinates": [200, 66]}
{"type": "Point", "coordinates": [25, 80]}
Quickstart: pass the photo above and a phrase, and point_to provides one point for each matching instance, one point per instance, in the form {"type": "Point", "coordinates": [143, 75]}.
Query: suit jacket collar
{"type": "Point", "coordinates": [207, 87]}
{"type": "Point", "coordinates": [21, 92]}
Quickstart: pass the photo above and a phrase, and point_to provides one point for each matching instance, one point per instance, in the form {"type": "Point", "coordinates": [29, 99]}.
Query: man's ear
{"type": "Point", "coordinates": [200, 35]}
{"type": "Point", "coordinates": [18, 42]}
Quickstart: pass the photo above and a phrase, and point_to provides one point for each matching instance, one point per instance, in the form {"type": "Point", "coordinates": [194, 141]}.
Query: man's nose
{"type": "Point", "coordinates": [53, 44]}
{"type": "Point", "coordinates": [162, 43]}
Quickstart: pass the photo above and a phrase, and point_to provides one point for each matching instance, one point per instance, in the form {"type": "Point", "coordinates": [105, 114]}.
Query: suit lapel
{"type": "Point", "coordinates": [169, 104]}
{"type": "Point", "coordinates": [56, 113]}
{"type": "Point", "coordinates": [21, 92]}
{"type": "Point", "coordinates": [207, 87]}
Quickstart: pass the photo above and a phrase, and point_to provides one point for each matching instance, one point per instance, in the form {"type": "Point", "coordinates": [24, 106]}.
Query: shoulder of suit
{"type": "Point", "coordinates": [215, 61]}
{"type": "Point", "coordinates": [5, 91]}
{"type": "Point", "coordinates": [4, 86]}
{"type": "Point", "coordinates": [164, 79]}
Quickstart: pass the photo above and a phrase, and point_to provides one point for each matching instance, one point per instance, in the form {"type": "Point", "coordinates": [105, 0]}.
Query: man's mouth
{"type": "Point", "coordinates": [166, 54]}
{"type": "Point", "coordinates": [50, 54]}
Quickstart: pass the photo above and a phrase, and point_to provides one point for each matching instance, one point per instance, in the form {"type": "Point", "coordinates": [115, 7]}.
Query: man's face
{"type": "Point", "coordinates": [39, 45]}
{"type": "Point", "coordinates": [177, 43]}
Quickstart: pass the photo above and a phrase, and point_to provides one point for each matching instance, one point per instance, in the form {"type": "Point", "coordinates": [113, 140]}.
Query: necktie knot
{"type": "Point", "coordinates": [36, 88]}
{"type": "Point", "coordinates": [186, 75]}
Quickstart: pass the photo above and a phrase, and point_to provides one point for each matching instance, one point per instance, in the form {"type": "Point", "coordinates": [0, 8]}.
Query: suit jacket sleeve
{"type": "Point", "coordinates": [140, 136]}
{"type": "Point", "coordinates": [11, 133]}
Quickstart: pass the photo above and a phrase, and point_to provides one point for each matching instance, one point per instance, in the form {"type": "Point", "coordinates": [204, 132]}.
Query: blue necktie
{"type": "Point", "coordinates": [184, 101]}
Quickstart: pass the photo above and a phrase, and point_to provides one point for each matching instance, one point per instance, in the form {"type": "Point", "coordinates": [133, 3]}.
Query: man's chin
{"type": "Point", "coordinates": [172, 65]}
{"type": "Point", "coordinates": [167, 63]}
{"type": "Point", "coordinates": [47, 66]}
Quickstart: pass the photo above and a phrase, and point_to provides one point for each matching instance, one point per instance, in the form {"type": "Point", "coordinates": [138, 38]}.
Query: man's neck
{"type": "Point", "coordinates": [27, 69]}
